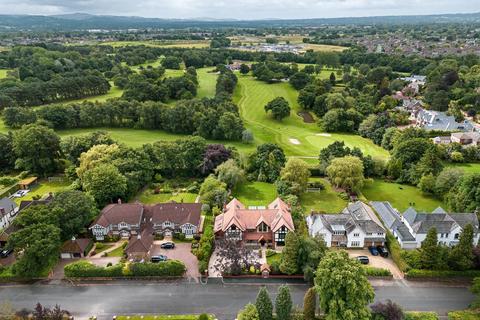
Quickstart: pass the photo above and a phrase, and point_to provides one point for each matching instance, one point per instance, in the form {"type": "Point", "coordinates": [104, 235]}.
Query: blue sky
{"type": "Point", "coordinates": [240, 9]}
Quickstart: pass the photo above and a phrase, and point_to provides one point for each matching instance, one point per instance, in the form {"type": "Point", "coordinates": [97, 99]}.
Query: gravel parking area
{"type": "Point", "coordinates": [379, 262]}
{"type": "Point", "coordinates": [182, 253]}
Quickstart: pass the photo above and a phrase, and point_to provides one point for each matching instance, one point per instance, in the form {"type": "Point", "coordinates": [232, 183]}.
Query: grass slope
{"type": "Point", "coordinates": [467, 167]}
{"type": "Point", "coordinates": [400, 196]}
{"type": "Point", "coordinates": [252, 95]}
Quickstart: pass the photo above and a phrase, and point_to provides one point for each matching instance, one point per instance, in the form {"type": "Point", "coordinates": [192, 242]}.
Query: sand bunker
{"type": "Point", "coordinates": [324, 134]}
{"type": "Point", "coordinates": [294, 141]}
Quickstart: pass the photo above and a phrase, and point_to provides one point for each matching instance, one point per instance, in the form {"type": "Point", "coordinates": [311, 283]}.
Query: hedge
{"type": "Point", "coordinates": [396, 252]}
{"type": "Point", "coordinates": [377, 272]}
{"type": "Point", "coordinates": [420, 273]}
{"type": "Point", "coordinates": [85, 269]}
{"type": "Point", "coordinates": [421, 316]}
{"type": "Point", "coordinates": [464, 315]}
{"type": "Point", "coordinates": [170, 268]}
{"type": "Point", "coordinates": [205, 246]}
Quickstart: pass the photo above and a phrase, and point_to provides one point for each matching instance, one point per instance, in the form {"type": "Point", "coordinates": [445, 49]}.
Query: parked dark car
{"type": "Point", "coordinates": [167, 245]}
{"type": "Point", "coordinates": [382, 251]}
{"type": "Point", "coordinates": [373, 250]}
{"type": "Point", "coordinates": [5, 253]}
{"type": "Point", "coordinates": [363, 259]}
{"type": "Point", "coordinates": [159, 258]}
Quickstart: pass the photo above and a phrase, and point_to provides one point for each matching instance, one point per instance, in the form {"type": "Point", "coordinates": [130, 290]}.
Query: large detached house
{"type": "Point", "coordinates": [8, 210]}
{"type": "Point", "coordinates": [122, 219]}
{"type": "Point", "coordinates": [356, 227]}
{"type": "Point", "coordinates": [412, 227]}
{"type": "Point", "coordinates": [131, 219]}
{"type": "Point", "coordinates": [255, 225]}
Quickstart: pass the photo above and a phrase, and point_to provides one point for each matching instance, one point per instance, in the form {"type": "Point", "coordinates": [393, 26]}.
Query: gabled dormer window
{"type": "Point", "coordinates": [262, 227]}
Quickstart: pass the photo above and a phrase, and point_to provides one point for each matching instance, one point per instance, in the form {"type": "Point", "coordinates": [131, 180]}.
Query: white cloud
{"type": "Point", "coordinates": [240, 9]}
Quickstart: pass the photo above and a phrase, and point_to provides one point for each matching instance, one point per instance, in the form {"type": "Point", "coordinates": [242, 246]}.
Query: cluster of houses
{"type": "Point", "coordinates": [359, 227]}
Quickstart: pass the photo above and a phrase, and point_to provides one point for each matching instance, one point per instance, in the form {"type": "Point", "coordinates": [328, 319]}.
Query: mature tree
{"type": "Point", "coordinates": [340, 120]}
{"type": "Point", "coordinates": [461, 256]}
{"type": "Point", "coordinates": [296, 173]}
{"type": "Point", "coordinates": [310, 252]}
{"type": "Point", "coordinates": [430, 251]}
{"type": "Point", "coordinates": [244, 69]}
{"type": "Point", "coordinates": [247, 136]}
{"type": "Point", "coordinates": [343, 287]}
{"type": "Point", "coordinates": [347, 173]}
{"type": "Point", "coordinates": [213, 192]}
{"type": "Point", "coordinates": [446, 180]}
{"type": "Point", "coordinates": [333, 79]}
{"type": "Point", "coordinates": [230, 173]}
{"type": "Point", "coordinates": [7, 156]}
{"type": "Point", "coordinates": [104, 183]}
{"type": "Point", "coordinates": [37, 149]}
{"type": "Point", "coordinates": [288, 265]}
{"type": "Point", "coordinates": [98, 154]}
{"type": "Point", "coordinates": [266, 162]}
{"type": "Point", "coordinates": [248, 313]}
{"type": "Point", "coordinates": [74, 146]}
{"type": "Point", "coordinates": [283, 303]}
{"type": "Point", "coordinates": [430, 163]}
{"type": "Point", "coordinates": [77, 210]}
{"type": "Point", "coordinates": [279, 108]}
{"type": "Point", "coordinates": [299, 80]}
{"type": "Point", "coordinates": [215, 154]}
{"type": "Point", "coordinates": [264, 304]}
{"type": "Point", "coordinates": [465, 196]}
{"type": "Point", "coordinates": [309, 304]}
{"type": "Point", "coordinates": [38, 243]}
{"type": "Point", "coordinates": [387, 311]}
{"type": "Point", "coordinates": [231, 125]}
{"type": "Point", "coordinates": [427, 183]}
{"type": "Point", "coordinates": [232, 256]}
{"type": "Point", "coordinates": [410, 151]}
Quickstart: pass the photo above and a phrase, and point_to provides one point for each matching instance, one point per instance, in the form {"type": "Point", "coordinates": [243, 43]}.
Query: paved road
{"type": "Point", "coordinates": [222, 300]}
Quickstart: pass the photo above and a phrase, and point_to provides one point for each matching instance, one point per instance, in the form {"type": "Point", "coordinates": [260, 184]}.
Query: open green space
{"type": "Point", "coordinates": [149, 197]}
{"type": "Point", "coordinates": [296, 137]}
{"type": "Point", "coordinates": [100, 247]}
{"type": "Point", "coordinates": [118, 252]}
{"type": "Point", "coordinates": [164, 44]}
{"type": "Point", "coordinates": [43, 188]}
{"type": "Point", "coordinates": [400, 195]}
{"type": "Point", "coordinates": [255, 193]}
{"type": "Point", "coordinates": [4, 73]}
{"type": "Point", "coordinates": [207, 82]}
{"type": "Point", "coordinates": [327, 200]}
{"type": "Point", "coordinates": [467, 167]}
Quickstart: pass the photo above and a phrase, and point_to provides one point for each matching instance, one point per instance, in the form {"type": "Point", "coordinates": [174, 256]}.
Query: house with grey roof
{"type": "Point", "coordinates": [356, 226]}
{"type": "Point", "coordinates": [414, 226]}
{"type": "Point", "coordinates": [8, 210]}
{"type": "Point", "coordinates": [466, 139]}
{"type": "Point", "coordinates": [436, 120]}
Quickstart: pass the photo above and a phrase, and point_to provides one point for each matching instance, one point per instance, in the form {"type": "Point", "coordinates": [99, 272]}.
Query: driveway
{"type": "Point", "coordinates": [379, 262]}
{"type": "Point", "coordinates": [182, 253]}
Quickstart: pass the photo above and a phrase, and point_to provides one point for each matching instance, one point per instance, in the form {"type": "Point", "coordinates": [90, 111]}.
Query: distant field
{"type": "Point", "coordinates": [166, 44]}
{"type": "Point", "coordinates": [324, 47]}
{"type": "Point", "coordinates": [400, 196]}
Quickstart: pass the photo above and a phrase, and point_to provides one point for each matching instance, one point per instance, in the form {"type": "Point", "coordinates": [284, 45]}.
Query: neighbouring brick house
{"type": "Point", "coordinates": [130, 219]}
{"type": "Point", "coordinates": [356, 227]}
{"type": "Point", "coordinates": [255, 225]}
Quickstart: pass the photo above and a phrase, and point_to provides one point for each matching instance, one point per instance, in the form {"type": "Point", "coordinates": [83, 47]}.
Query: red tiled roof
{"type": "Point", "coordinates": [179, 213]}
{"type": "Point", "coordinates": [141, 243]}
{"type": "Point", "coordinates": [130, 213]}
{"type": "Point", "coordinates": [75, 246]}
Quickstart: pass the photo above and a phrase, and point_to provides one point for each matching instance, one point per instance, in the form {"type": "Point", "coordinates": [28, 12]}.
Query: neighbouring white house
{"type": "Point", "coordinates": [8, 210]}
{"type": "Point", "coordinates": [411, 227]}
{"type": "Point", "coordinates": [356, 227]}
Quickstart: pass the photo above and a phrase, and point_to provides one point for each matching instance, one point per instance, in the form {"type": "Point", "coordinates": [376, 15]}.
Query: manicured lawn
{"type": "Point", "coordinates": [100, 247]}
{"type": "Point", "coordinates": [118, 252]}
{"type": "Point", "coordinates": [467, 167]}
{"type": "Point", "coordinates": [255, 193]}
{"type": "Point", "coordinates": [148, 197]}
{"type": "Point", "coordinates": [43, 188]}
{"type": "Point", "coordinates": [207, 82]}
{"type": "Point", "coordinates": [161, 317]}
{"type": "Point", "coordinates": [326, 200]}
{"type": "Point", "coordinates": [400, 196]}
{"type": "Point", "coordinates": [252, 95]}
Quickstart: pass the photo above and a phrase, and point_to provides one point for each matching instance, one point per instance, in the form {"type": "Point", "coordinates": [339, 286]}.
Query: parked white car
{"type": "Point", "coordinates": [20, 193]}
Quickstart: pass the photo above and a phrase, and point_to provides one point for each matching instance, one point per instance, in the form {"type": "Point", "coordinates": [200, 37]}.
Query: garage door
{"type": "Point", "coordinates": [66, 256]}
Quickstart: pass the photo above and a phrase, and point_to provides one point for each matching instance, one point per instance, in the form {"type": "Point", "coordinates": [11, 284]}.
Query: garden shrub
{"type": "Point", "coordinates": [205, 248]}
{"type": "Point", "coordinates": [270, 252]}
{"type": "Point", "coordinates": [396, 252]}
{"type": "Point", "coordinates": [85, 269]}
{"type": "Point", "coordinates": [464, 315]}
{"type": "Point", "coordinates": [421, 316]}
{"type": "Point", "coordinates": [377, 272]}
{"type": "Point", "coordinates": [170, 268]}
{"type": "Point", "coordinates": [419, 273]}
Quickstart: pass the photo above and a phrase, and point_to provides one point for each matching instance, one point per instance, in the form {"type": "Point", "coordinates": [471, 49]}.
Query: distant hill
{"type": "Point", "coordinates": [83, 21]}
